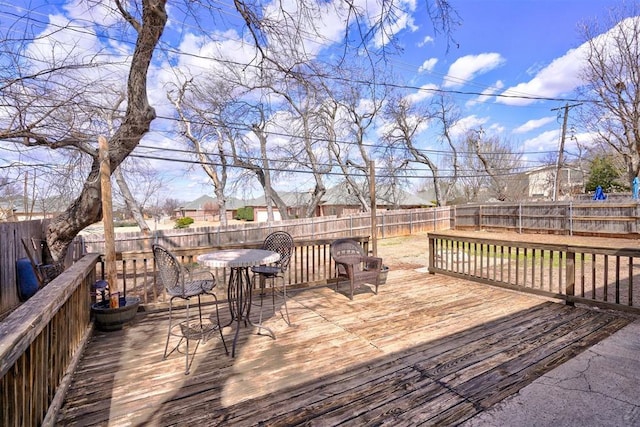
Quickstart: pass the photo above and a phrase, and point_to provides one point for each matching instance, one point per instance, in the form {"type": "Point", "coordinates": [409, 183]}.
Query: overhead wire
{"type": "Point", "coordinates": [172, 50]}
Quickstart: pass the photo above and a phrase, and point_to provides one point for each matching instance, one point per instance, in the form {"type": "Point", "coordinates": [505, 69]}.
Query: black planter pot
{"type": "Point", "coordinates": [382, 276]}
{"type": "Point", "coordinates": [113, 319]}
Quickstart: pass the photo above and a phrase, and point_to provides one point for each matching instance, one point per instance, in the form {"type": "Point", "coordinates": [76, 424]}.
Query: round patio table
{"type": "Point", "coordinates": [239, 287]}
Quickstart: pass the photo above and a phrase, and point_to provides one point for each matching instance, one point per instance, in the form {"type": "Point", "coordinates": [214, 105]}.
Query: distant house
{"type": "Point", "coordinates": [18, 209]}
{"type": "Point", "coordinates": [207, 208]}
{"type": "Point", "coordinates": [295, 202]}
{"type": "Point", "coordinates": [540, 184]}
{"type": "Point", "coordinates": [338, 201]}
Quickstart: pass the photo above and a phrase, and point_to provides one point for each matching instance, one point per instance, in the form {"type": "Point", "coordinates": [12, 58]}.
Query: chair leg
{"type": "Point", "coordinates": [259, 277]}
{"type": "Point", "coordinates": [166, 346]}
{"type": "Point", "coordinates": [186, 354]}
{"type": "Point", "coordinates": [284, 294]}
{"type": "Point", "coordinates": [218, 324]}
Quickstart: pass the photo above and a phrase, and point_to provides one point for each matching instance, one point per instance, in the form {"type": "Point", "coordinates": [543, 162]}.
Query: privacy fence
{"type": "Point", "coordinates": [592, 218]}
{"type": "Point", "coordinates": [389, 224]}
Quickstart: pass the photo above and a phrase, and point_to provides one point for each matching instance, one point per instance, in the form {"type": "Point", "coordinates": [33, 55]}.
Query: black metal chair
{"type": "Point", "coordinates": [282, 243]}
{"type": "Point", "coordinates": [181, 282]}
{"type": "Point", "coordinates": [353, 265]}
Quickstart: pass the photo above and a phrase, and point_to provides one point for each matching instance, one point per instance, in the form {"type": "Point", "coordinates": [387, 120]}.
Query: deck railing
{"type": "Point", "coordinates": [601, 276]}
{"type": "Point", "coordinates": [40, 343]}
{"type": "Point", "coordinates": [310, 265]}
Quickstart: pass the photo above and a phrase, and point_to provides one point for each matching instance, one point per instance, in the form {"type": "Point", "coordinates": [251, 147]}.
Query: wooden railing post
{"type": "Point", "coordinates": [431, 254]}
{"type": "Point", "coordinates": [570, 276]}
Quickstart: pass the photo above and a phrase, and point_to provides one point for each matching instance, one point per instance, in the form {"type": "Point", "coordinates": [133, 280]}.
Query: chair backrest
{"type": "Point", "coordinates": [344, 247]}
{"type": "Point", "coordinates": [281, 242]}
{"type": "Point", "coordinates": [168, 267]}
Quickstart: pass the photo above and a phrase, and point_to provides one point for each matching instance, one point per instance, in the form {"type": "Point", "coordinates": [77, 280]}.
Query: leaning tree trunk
{"type": "Point", "coordinates": [87, 208]}
{"type": "Point", "coordinates": [131, 202]}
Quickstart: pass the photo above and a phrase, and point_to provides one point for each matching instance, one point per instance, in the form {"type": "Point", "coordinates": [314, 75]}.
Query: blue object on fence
{"type": "Point", "coordinates": [636, 187]}
{"type": "Point", "coordinates": [27, 281]}
{"type": "Point", "coordinates": [599, 194]}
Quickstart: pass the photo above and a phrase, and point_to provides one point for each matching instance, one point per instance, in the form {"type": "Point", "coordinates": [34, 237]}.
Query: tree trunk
{"type": "Point", "coordinates": [87, 208]}
{"type": "Point", "coordinates": [131, 202]}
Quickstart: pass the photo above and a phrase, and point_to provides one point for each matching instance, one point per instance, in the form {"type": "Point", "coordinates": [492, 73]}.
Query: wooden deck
{"type": "Point", "coordinates": [428, 349]}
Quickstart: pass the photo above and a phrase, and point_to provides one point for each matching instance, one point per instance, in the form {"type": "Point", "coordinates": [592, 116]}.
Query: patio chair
{"type": "Point", "coordinates": [281, 242]}
{"type": "Point", "coordinates": [37, 250]}
{"type": "Point", "coordinates": [181, 282]}
{"type": "Point", "coordinates": [353, 265]}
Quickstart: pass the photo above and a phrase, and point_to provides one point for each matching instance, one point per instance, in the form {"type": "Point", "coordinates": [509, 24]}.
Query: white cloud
{"type": "Point", "coordinates": [428, 65]}
{"type": "Point", "coordinates": [546, 141]}
{"type": "Point", "coordinates": [425, 41]}
{"type": "Point", "coordinates": [467, 123]}
{"type": "Point", "coordinates": [425, 92]}
{"type": "Point", "coordinates": [468, 67]}
{"type": "Point", "coordinates": [533, 124]}
{"type": "Point", "coordinates": [561, 76]}
{"type": "Point", "coordinates": [486, 94]}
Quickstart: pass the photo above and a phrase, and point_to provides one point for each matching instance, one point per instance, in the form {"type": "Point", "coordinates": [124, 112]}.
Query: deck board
{"type": "Point", "coordinates": [428, 348]}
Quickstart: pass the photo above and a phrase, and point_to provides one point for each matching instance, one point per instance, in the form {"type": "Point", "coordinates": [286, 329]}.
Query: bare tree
{"type": "Point", "coordinates": [170, 205]}
{"type": "Point", "coordinates": [263, 171]}
{"type": "Point", "coordinates": [40, 115]}
{"type": "Point", "coordinates": [612, 76]}
{"type": "Point", "coordinates": [494, 157]}
{"type": "Point", "coordinates": [41, 88]}
{"type": "Point", "coordinates": [407, 121]}
{"type": "Point", "coordinates": [344, 120]}
{"type": "Point", "coordinates": [202, 120]}
{"type": "Point", "coordinates": [302, 104]}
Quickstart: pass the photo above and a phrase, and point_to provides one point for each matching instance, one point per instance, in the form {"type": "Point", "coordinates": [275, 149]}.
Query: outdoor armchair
{"type": "Point", "coordinates": [353, 265]}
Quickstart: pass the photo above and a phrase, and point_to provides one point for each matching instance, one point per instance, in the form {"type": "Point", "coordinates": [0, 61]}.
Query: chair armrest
{"type": "Point", "coordinates": [372, 263]}
{"type": "Point", "coordinates": [197, 273]}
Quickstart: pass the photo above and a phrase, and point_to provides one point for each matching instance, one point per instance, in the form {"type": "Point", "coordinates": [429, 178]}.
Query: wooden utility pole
{"type": "Point", "coordinates": [560, 161]}
{"type": "Point", "coordinates": [107, 214]}
{"type": "Point", "coordinates": [372, 196]}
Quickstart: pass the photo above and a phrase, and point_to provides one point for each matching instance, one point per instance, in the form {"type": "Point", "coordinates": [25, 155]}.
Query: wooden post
{"type": "Point", "coordinates": [570, 276]}
{"type": "Point", "coordinates": [107, 214]}
{"type": "Point", "coordinates": [372, 195]}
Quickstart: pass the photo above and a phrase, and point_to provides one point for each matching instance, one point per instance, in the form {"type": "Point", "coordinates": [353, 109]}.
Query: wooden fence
{"type": "Point", "coordinates": [598, 273]}
{"type": "Point", "coordinates": [39, 342]}
{"type": "Point", "coordinates": [595, 218]}
{"type": "Point", "coordinates": [389, 224]}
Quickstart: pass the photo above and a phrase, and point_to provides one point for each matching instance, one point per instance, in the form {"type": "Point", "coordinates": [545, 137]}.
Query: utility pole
{"type": "Point", "coordinates": [560, 161]}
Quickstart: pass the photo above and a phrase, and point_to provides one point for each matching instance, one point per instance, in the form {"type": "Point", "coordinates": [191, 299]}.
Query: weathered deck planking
{"type": "Point", "coordinates": [427, 349]}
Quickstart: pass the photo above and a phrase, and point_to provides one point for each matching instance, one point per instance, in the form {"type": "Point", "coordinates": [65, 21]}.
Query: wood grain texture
{"type": "Point", "coordinates": [428, 349]}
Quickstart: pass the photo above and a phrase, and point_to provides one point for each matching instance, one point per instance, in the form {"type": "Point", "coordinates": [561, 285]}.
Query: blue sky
{"type": "Point", "coordinates": [517, 47]}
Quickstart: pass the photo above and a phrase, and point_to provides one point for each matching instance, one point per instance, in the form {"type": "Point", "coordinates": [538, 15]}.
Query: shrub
{"type": "Point", "coordinates": [245, 213]}
{"type": "Point", "coordinates": [184, 222]}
